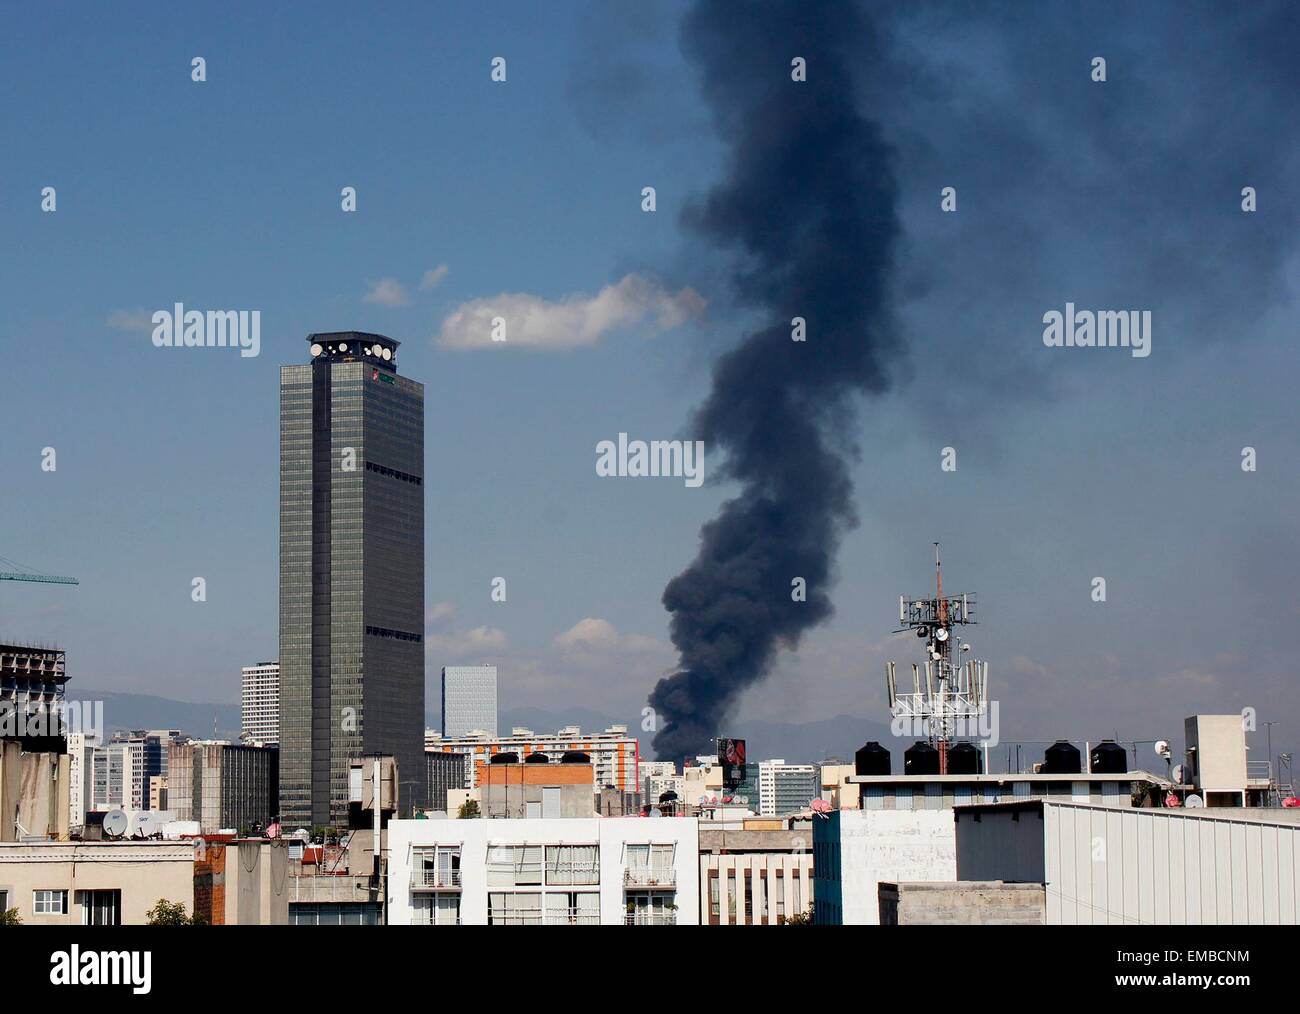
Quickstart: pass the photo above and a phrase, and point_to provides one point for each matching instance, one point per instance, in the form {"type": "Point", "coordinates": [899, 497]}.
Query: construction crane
{"type": "Point", "coordinates": [21, 573]}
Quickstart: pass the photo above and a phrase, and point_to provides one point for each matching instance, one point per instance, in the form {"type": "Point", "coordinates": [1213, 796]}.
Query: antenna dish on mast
{"type": "Point", "coordinates": [951, 695]}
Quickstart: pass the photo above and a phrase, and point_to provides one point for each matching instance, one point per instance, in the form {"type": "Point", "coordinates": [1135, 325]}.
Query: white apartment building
{"type": "Point", "coordinates": [613, 753]}
{"type": "Point", "coordinates": [569, 871]}
{"type": "Point", "coordinates": [786, 788]}
{"type": "Point", "coordinates": [469, 699]}
{"type": "Point", "coordinates": [111, 777]}
{"type": "Point", "coordinates": [260, 698]}
{"type": "Point", "coordinates": [658, 777]}
{"type": "Point", "coordinates": [81, 752]}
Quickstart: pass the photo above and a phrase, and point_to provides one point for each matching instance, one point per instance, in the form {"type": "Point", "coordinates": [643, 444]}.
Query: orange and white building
{"type": "Point", "coordinates": [615, 756]}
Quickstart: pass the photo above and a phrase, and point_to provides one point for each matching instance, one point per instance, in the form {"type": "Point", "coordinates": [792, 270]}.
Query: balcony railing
{"type": "Point", "coordinates": [573, 918]}
{"type": "Point", "coordinates": [650, 876]}
{"type": "Point", "coordinates": [651, 919]}
{"type": "Point", "coordinates": [435, 880]}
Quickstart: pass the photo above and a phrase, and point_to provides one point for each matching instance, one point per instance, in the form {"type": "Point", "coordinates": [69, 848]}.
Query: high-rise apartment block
{"type": "Point", "coordinates": [260, 699]}
{"type": "Point", "coordinates": [469, 700]}
{"type": "Point", "coordinates": [784, 788]}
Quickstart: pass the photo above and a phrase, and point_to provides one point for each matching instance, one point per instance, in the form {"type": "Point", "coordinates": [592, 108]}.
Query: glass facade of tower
{"type": "Point", "coordinates": [351, 573]}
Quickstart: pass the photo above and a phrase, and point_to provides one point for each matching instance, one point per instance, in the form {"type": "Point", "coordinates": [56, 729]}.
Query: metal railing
{"type": "Point", "coordinates": [651, 919]}
{"type": "Point", "coordinates": [650, 876]}
{"type": "Point", "coordinates": [1259, 771]}
{"type": "Point", "coordinates": [436, 879]}
{"type": "Point", "coordinates": [573, 918]}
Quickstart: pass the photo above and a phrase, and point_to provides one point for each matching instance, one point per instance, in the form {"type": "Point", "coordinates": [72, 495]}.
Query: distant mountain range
{"type": "Point", "coordinates": [145, 711]}
{"type": "Point", "coordinates": [796, 742]}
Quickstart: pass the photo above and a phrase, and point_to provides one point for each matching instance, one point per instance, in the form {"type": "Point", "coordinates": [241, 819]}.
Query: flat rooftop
{"type": "Point", "coordinates": [1004, 777]}
{"type": "Point", "coordinates": [1254, 814]}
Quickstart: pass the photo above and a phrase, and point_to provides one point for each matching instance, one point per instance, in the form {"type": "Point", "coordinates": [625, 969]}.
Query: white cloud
{"type": "Point", "coordinates": [433, 277]}
{"type": "Point", "coordinates": [597, 635]}
{"type": "Point", "coordinates": [533, 322]}
{"type": "Point", "coordinates": [438, 612]}
{"type": "Point", "coordinates": [130, 320]}
{"type": "Point", "coordinates": [387, 292]}
{"type": "Point", "coordinates": [475, 642]}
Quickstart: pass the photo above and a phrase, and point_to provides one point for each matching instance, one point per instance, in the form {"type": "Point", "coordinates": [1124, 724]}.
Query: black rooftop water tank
{"type": "Point", "coordinates": [872, 759]}
{"type": "Point", "coordinates": [1109, 758]}
{"type": "Point", "coordinates": [504, 758]}
{"type": "Point", "coordinates": [1062, 758]}
{"type": "Point", "coordinates": [575, 757]}
{"type": "Point", "coordinates": [920, 759]}
{"type": "Point", "coordinates": [964, 759]}
{"type": "Point", "coordinates": [537, 758]}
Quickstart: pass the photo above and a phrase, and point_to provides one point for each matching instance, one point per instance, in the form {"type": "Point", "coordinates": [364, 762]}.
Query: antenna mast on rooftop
{"type": "Point", "coordinates": [954, 694]}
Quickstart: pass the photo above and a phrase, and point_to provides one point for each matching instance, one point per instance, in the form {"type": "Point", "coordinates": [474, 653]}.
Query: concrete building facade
{"type": "Point", "coordinates": [597, 871]}
{"type": "Point", "coordinates": [964, 903]}
{"type": "Point", "coordinates": [755, 877]}
{"type": "Point", "coordinates": [64, 883]}
{"type": "Point", "coordinates": [223, 785]}
{"type": "Point", "coordinates": [854, 851]}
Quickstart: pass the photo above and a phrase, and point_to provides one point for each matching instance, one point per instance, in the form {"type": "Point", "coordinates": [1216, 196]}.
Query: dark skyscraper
{"type": "Point", "coordinates": [351, 573]}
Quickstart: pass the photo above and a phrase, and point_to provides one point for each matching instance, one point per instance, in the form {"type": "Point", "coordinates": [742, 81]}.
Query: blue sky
{"type": "Point", "coordinates": [1071, 464]}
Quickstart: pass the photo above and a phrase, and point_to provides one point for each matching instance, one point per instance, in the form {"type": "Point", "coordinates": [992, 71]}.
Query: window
{"type": "Point", "coordinates": [514, 909]}
{"type": "Point", "coordinates": [514, 865]}
{"type": "Point", "coordinates": [435, 910]}
{"type": "Point", "coordinates": [348, 913]}
{"type": "Point", "coordinates": [4, 901]}
{"type": "Point", "coordinates": [652, 908]}
{"type": "Point", "coordinates": [573, 908]}
{"type": "Point", "coordinates": [50, 902]}
{"type": "Point", "coordinates": [649, 864]}
{"type": "Point", "coordinates": [437, 867]}
{"type": "Point", "coordinates": [573, 864]}
{"type": "Point", "coordinates": [100, 908]}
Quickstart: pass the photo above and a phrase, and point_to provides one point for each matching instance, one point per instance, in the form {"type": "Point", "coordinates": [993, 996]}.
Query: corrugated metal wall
{"type": "Point", "coordinates": [1137, 866]}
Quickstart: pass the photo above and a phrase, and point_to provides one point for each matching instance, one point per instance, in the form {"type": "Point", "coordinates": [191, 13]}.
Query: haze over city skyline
{"type": "Point", "coordinates": [471, 194]}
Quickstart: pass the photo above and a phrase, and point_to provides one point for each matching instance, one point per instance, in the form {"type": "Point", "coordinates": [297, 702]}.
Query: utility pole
{"type": "Point", "coordinates": [1269, 726]}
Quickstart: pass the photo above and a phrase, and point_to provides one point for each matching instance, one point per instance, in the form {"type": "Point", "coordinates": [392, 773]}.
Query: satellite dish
{"type": "Point", "coordinates": [1162, 748]}
{"type": "Point", "coordinates": [1178, 774]}
{"type": "Point", "coordinates": [388, 354]}
{"type": "Point", "coordinates": [922, 631]}
{"type": "Point", "coordinates": [941, 634]}
{"type": "Point", "coordinates": [343, 346]}
{"type": "Point", "coordinates": [317, 348]}
{"type": "Point", "coordinates": [1193, 801]}
{"type": "Point", "coordinates": [115, 823]}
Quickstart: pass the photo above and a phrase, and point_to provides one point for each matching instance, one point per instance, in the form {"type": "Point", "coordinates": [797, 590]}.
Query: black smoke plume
{"type": "Point", "coordinates": [807, 211]}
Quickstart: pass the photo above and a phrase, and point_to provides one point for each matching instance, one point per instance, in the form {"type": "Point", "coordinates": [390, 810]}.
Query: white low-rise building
{"type": "Point", "coordinates": [855, 850]}
{"type": "Point", "coordinates": [567, 871]}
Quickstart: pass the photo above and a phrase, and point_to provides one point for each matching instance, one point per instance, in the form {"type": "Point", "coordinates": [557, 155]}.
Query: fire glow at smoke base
{"type": "Point", "coordinates": [808, 209]}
